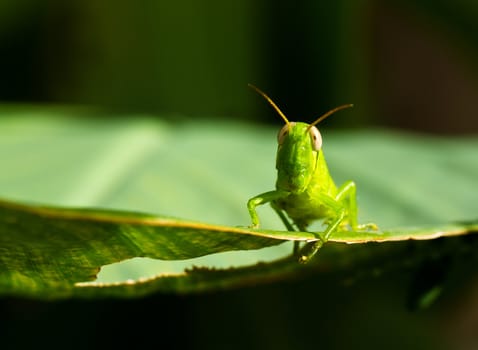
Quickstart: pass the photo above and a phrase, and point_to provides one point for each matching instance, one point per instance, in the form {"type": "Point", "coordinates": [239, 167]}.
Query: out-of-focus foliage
{"type": "Point", "coordinates": [401, 63]}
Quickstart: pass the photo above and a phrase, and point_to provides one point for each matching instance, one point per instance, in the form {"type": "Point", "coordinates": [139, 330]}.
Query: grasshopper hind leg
{"type": "Point", "coordinates": [345, 207]}
{"type": "Point", "coordinates": [347, 193]}
{"type": "Point", "coordinates": [310, 249]}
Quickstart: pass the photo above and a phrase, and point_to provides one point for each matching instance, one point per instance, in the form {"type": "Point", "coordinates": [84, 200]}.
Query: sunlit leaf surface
{"type": "Point", "coordinates": [413, 186]}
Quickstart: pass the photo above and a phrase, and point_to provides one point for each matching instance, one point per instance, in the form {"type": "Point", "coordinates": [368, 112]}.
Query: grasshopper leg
{"type": "Point", "coordinates": [263, 198]}
{"type": "Point", "coordinates": [288, 225]}
{"type": "Point", "coordinates": [347, 193]}
{"type": "Point", "coordinates": [310, 249]}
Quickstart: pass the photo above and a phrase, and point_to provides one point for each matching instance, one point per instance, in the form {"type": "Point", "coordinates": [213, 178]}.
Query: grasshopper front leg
{"type": "Point", "coordinates": [270, 197]}
{"type": "Point", "coordinates": [266, 197]}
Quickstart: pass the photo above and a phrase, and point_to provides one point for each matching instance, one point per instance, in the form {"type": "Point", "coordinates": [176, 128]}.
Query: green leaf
{"type": "Point", "coordinates": [204, 172]}
{"type": "Point", "coordinates": [52, 252]}
{"type": "Point", "coordinates": [47, 250]}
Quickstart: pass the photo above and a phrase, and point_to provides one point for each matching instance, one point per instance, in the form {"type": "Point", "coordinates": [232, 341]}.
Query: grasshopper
{"type": "Point", "coordinates": [305, 191]}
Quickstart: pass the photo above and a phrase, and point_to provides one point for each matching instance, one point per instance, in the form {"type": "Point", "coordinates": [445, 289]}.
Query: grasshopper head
{"type": "Point", "coordinates": [299, 147]}
{"type": "Point", "coordinates": [297, 156]}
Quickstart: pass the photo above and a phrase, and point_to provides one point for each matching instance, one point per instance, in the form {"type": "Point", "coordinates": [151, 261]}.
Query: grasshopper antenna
{"type": "Point", "coordinates": [268, 99]}
{"type": "Point", "coordinates": [332, 111]}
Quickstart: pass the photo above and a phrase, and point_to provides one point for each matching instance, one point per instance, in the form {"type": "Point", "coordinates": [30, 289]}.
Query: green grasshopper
{"type": "Point", "coordinates": [305, 191]}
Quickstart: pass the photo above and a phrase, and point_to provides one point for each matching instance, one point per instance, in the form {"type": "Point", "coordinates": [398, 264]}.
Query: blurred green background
{"type": "Point", "coordinates": [404, 64]}
{"type": "Point", "coordinates": [410, 65]}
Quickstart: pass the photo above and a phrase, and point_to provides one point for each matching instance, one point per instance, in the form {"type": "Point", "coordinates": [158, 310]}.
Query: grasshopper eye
{"type": "Point", "coordinates": [283, 132]}
{"type": "Point", "coordinates": [316, 138]}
